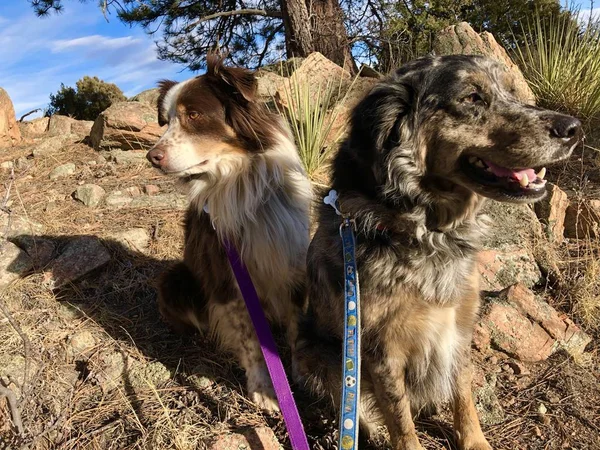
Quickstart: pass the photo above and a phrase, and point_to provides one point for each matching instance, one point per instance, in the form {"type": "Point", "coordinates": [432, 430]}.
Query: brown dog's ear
{"type": "Point", "coordinates": [164, 86]}
{"type": "Point", "coordinates": [240, 80]}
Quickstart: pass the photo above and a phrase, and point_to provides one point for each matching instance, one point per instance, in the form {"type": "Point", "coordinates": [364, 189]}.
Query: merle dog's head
{"type": "Point", "coordinates": [453, 123]}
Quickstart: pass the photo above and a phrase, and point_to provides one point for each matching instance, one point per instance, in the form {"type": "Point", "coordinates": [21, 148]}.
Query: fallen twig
{"type": "Point", "coordinates": [14, 408]}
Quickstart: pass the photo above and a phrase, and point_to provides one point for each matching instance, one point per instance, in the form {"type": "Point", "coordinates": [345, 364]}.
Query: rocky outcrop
{"type": "Point", "coordinates": [34, 128]}
{"type": "Point", "coordinates": [149, 97]}
{"type": "Point", "coordinates": [508, 255]}
{"type": "Point", "coordinates": [126, 126]}
{"type": "Point", "coordinates": [462, 39]}
{"type": "Point", "coordinates": [552, 211]}
{"type": "Point", "coordinates": [10, 134]}
{"type": "Point", "coordinates": [521, 324]}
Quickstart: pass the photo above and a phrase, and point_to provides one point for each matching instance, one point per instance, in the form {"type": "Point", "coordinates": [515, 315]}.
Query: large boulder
{"type": "Point", "coordinates": [464, 40]}
{"type": "Point", "coordinates": [64, 126]}
{"type": "Point", "coordinates": [126, 126]}
{"type": "Point", "coordinates": [509, 250]}
{"type": "Point", "coordinates": [34, 128]}
{"type": "Point", "coordinates": [149, 97]}
{"type": "Point", "coordinates": [10, 134]}
{"type": "Point", "coordinates": [316, 74]}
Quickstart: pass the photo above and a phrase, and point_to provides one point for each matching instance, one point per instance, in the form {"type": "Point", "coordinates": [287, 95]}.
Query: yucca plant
{"type": "Point", "coordinates": [561, 61]}
{"type": "Point", "coordinates": [311, 114]}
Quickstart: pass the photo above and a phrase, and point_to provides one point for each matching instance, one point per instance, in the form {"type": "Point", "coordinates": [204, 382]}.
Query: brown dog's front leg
{"type": "Point", "coordinates": [466, 422]}
{"type": "Point", "coordinates": [390, 391]}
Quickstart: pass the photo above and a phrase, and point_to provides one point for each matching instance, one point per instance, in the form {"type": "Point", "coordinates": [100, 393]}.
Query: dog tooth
{"type": "Point", "coordinates": [473, 159]}
{"type": "Point", "coordinates": [524, 181]}
{"type": "Point", "coordinates": [542, 173]}
{"type": "Point", "coordinates": [479, 163]}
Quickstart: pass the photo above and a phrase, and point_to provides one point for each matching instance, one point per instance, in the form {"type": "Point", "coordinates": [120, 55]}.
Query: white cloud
{"type": "Point", "coordinates": [584, 15]}
{"type": "Point", "coordinates": [95, 41]}
{"type": "Point", "coordinates": [39, 54]}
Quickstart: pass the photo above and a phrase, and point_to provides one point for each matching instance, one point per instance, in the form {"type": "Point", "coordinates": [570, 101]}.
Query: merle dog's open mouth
{"type": "Point", "coordinates": [523, 183]}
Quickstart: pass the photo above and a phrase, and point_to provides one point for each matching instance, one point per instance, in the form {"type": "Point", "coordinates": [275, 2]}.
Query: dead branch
{"type": "Point", "coordinates": [237, 12]}
{"type": "Point", "coordinates": [29, 113]}
{"type": "Point", "coordinates": [14, 408]}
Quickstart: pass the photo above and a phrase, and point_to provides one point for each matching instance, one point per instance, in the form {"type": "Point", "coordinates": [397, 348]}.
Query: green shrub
{"type": "Point", "coordinates": [561, 62]}
{"type": "Point", "coordinates": [91, 97]}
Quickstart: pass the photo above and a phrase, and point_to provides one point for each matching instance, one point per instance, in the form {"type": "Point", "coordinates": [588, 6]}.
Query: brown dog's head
{"type": "Point", "coordinates": [454, 121]}
{"type": "Point", "coordinates": [214, 120]}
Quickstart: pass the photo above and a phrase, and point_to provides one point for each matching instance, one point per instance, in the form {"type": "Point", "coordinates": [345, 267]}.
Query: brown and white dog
{"type": "Point", "coordinates": [426, 147]}
{"type": "Point", "coordinates": [239, 161]}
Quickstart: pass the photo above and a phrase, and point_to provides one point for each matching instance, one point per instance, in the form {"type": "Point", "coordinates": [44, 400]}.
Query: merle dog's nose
{"type": "Point", "coordinates": [155, 156]}
{"type": "Point", "coordinates": [565, 127]}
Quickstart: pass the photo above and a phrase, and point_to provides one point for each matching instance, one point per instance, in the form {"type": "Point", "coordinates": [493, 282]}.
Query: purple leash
{"type": "Point", "coordinates": [269, 350]}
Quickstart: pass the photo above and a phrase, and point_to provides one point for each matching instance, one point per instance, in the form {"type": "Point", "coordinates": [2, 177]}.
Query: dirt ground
{"type": "Point", "coordinates": [93, 366]}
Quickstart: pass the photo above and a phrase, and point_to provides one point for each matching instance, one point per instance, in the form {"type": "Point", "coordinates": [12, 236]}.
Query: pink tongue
{"type": "Point", "coordinates": [500, 171]}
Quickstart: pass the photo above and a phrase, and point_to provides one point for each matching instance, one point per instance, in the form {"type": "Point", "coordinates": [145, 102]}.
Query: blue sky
{"type": "Point", "coordinates": [38, 54]}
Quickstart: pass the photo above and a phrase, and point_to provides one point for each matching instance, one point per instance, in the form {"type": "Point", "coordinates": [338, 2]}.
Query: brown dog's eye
{"type": "Point", "coordinates": [474, 98]}
{"type": "Point", "coordinates": [193, 115]}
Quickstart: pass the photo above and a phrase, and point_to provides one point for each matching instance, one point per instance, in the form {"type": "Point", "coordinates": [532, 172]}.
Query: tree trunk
{"type": "Point", "coordinates": [298, 39]}
{"type": "Point", "coordinates": [329, 35]}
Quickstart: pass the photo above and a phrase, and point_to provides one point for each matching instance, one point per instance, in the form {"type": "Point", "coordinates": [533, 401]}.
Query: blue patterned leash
{"type": "Point", "coordinates": [351, 362]}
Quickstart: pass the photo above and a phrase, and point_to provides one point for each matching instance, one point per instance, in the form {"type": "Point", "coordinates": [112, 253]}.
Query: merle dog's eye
{"type": "Point", "coordinates": [474, 98]}
{"type": "Point", "coordinates": [193, 115]}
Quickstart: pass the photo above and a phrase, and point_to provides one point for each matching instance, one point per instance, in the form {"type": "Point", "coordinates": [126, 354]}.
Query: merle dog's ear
{"type": "Point", "coordinates": [164, 86]}
{"type": "Point", "coordinates": [381, 116]}
{"type": "Point", "coordinates": [242, 82]}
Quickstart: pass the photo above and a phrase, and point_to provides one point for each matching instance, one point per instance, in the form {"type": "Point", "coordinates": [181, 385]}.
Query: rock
{"type": "Point", "coordinates": [551, 211]}
{"type": "Point", "coordinates": [22, 163]}
{"type": "Point", "coordinates": [261, 438]}
{"type": "Point", "coordinates": [34, 128]}
{"type": "Point", "coordinates": [39, 249]}
{"type": "Point", "coordinates": [502, 268]}
{"type": "Point", "coordinates": [14, 262]}
{"type": "Point", "coordinates": [126, 126]}
{"type": "Point", "coordinates": [154, 373]}
{"type": "Point", "coordinates": [508, 249]}
{"type": "Point", "coordinates": [82, 128]}
{"type": "Point", "coordinates": [484, 393]}
{"type": "Point", "coordinates": [7, 165]}
{"type": "Point", "coordinates": [149, 97]}
{"type": "Point", "coordinates": [127, 157]}
{"type": "Point", "coordinates": [117, 199]}
{"type": "Point", "coordinates": [13, 225]}
{"type": "Point", "coordinates": [59, 125]}
{"type": "Point", "coordinates": [79, 257]}
{"type": "Point", "coordinates": [62, 171]}
{"type": "Point", "coordinates": [133, 191]}
{"type": "Point", "coordinates": [369, 72]}
{"type": "Point", "coordinates": [10, 135]}
{"type": "Point", "coordinates": [50, 146]}
{"type": "Point", "coordinates": [582, 220]}
{"type": "Point", "coordinates": [151, 189]}
{"type": "Point", "coordinates": [109, 368]}
{"type": "Point", "coordinates": [80, 343]}
{"type": "Point", "coordinates": [284, 68]}
{"type": "Point", "coordinates": [340, 114]}
{"type": "Point", "coordinates": [136, 239]}
{"type": "Point", "coordinates": [317, 74]}
{"type": "Point", "coordinates": [462, 39]}
{"type": "Point", "coordinates": [561, 328]}
{"type": "Point", "coordinates": [268, 84]}
{"type": "Point", "coordinates": [89, 194]}
{"type": "Point", "coordinates": [515, 334]}
{"type": "Point", "coordinates": [170, 201]}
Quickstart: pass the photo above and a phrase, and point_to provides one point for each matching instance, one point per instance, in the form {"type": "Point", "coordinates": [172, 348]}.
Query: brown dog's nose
{"type": "Point", "coordinates": [565, 127]}
{"type": "Point", "coordinates": [155, 156]}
